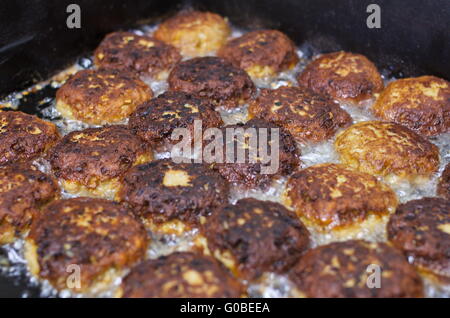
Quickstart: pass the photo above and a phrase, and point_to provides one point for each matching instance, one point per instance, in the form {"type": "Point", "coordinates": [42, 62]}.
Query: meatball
{"type": "Point", "coordinates": [253, 237]}
{"type": "Point", "coordinates": [181, 275]}
{"type": "Point", "coordinates": [387, 149]}
{"type": "Point", "coordinates": [214, 78]}
{"type": "Point", "coordinates": [101, 237]}
{"type": "Point", "coordinates": [443, 188]}
{"type": "Point", "coordinates": [171, 197]}
{"type": "Point", "coordinates": [141, 54]}
{"type": "Point", "coordinates": [421, 104]}
{"type": "Point", "coordinates": [24, 137]}
{"type": "Point", "coordinates": [332, 196]}
{"type": "Point", "coordinates": [343, 76]}
{"type": "Point", "coordinates": [90, 162]}
{"type": "Point", "coordinates": [23, 191]}
{"type": "Point", "coordinates": [306, 115]}
{"type": "Point", "coordinates": [156, 119]}
{"type": "Point", "coordinates": [194, 33]}
{"type": "Point", "coordinates": [421, 229]}
{"type": "Point", "coordinates": [261, 53]}
{"type": "Point", "coordinates": [101, 96]}
{"type": "Point", "coordinates": [350, 269]}
{"type": "Point", "coordinates": [257, 167]}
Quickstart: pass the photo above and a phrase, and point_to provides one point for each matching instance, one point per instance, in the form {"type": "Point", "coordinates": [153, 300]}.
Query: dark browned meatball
{"type": "Point", "coordinates": [443, 188]}
{"type": "Point", "coordinates": [343, 269]}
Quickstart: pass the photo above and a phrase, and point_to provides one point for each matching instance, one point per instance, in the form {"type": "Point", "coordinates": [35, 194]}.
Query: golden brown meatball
{"type": "Point", "coordinates": [180, 275]}
{"type": "Point", "coordinates": [24, 137]}
{"type": "Point", "coordinates": [343, 76]}
{"type": "Point", "coordinates": [342, 270]}
{"type": "Point", "coordinates": [141, 54]}
{"type": "Point", "coordinates": [306, 115]}
{"type": "Point", "coordinates": [194, 33]}
{"type": "Point", "coordinates": [443, 188]}
{"type": "Point", "coordinates": [332, 196]}
{"type": "Point", "coordinates": [261, 53]}
{"type": "Point", "coordinates": [90, 162]}
{"type": "Point", "coordinates": [387, 149]}
{"type": "Point", "coordinates": [23, 191]}
{"type": "Point", "coordinates": [101, 237]}
{"type": "Point", "coordinates": [421, 104]}
{"type": "Point", "coordinates": [101, 96]}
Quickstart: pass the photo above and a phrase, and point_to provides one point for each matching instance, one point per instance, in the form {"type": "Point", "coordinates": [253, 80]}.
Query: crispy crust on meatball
{"type": "Point", "coordinates": [332, 196]}
{"type": "Point", "coordinates": [214, 78]}
{"type": "Point", "coordinates": [249, 174]}
{"type": "Point", "coordinates": [181, 275]}
{"type": "Point", "coordinates": [155, 120]}
{"type": "Point", "coordinates": [101, 96]}
{"type": "Point", "coordinates": [24, 137]}
{"type": "Point", "coordinates": [421, 104]}
{"type": "Point", "coordinates": [387, 149]}
{"type": "Point", "coordinates": [194, 33]}
{"type": "Point", "coordinates": [253, 237]}
{"type": "Point", "coordinates": [261, 53]}
{"type": "Point", "coordinates": [443, 188]}
{"type": "Point", "coordinates": [306, 115]}
{"type": "Point", "coordinates": [343, 76]}
{"type": "Point", "coordinates": [163, 191]}
{"type": "Point", "coordinates": [91, 161]}
{"type": "Point", "coordinates": [421, 229]}
{"type": "Point", "coordinates": [341, 269]}
{"type": "Point", "coordinates": [95, 234]}
{"type": "Point", "coordinates": [23, 191]}
{"type": "Point", "coordinates": [146, 56]}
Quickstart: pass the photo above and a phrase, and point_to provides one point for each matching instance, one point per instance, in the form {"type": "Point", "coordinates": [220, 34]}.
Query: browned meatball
{"type": "Point", "coordinates": [181, 275]}
{"type": "Point", "coordinates": [24, 137]}
{"type": "Point", "coordinates": [253, 171]}
{"type": "Point", "coordinates": [443, 188]}
{"type": "Point", "coordinates": [421, 229]}
{"type": "Point", "coordinates": [101, 96]}
{"type": "Point", "coordinates": [173, 197]}
{"type": "Point", "coordinates": [156, 119]}
{"type": "Point", "coordinates": [214, 78]}
{"type": "Point", "coordinates": [195, 33]}
{"type": "Point", "coordinates": [342, 270]}
{"type": "Point", "coordinates": [23, 191]}
{"type": "Point", "coordinates": [97, 235]}
{"type": "Point", "coordinates": [421, 104]}
{"type": "Point", "coordinates": [146, 56]}
{"type": "Point", "coordinates": [261, 53]}
{"type": "Point", "coordinates": [306, 115]}
{"type": "Point", "coordinates": [343, 76]}
{"type": "Point", "coordinates": [91, 161]}
{"type": "Point", "coordinates": [332, 196]}
{"type": "Point", "coordinates": [253, 237]}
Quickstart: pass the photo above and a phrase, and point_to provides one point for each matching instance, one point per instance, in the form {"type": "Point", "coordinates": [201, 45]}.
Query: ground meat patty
{"type": "Point", "coordinates": [195, 33]}
{"type": "Point", "coordinates": [181, 275]}
{"type": "Point", "coordinates": [23, 190]}
{"type": "Point", "coordinates": [214, 78]}
{"type": "Point", "coordinates": [387, 149]}
{"type": "Point", "coordinates": [421, 229]}
{"type": "Point", "coordinates": [342, 270]}
{"type": "Point", "coordinates": [253, 237]}
{"type": "Point", "coordinates": [261, 53]}
{"type": "Point", "coordinates": [162, 191]}
{"type": "Point", "coordinates": [146, 56]}
{"type": "Point", "coordinates": [443, 188]}
{"type": "Point", "coordinates": [306, 115]}
{"type": "Point", "coordinates": [156, 119]}
{"type": "Point", "coordinates": [343, 76]}
{"type": "Point", "coordinates": [249, 172]}
{"type": "Point", "coordinates": [24, 137]}
{"type": "Point", "coordinates": [95, 234]}
{"type": "Point", "coordinates": [101, 96]}
{"type": "Point", "coordinates": [332, 196]}
{"type": "Point", "coordinates": [421, 104]}
{"type": "Point", "coordinates": [91, 161]}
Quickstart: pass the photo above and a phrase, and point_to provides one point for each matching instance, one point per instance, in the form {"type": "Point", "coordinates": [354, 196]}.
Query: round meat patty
{"type": "Point", "coordinates": [443, 188]}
